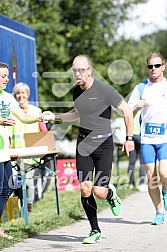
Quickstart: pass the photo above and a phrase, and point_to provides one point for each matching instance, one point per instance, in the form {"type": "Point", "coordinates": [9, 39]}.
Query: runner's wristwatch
{"type": "Point", "coordinates": [129, 138]}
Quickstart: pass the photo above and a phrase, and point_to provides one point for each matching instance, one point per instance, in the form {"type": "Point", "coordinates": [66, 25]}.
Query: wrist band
{"type": "Point", "coordinates": [58, 120]}
{"type": "Point", "coordinates": [129, 138]}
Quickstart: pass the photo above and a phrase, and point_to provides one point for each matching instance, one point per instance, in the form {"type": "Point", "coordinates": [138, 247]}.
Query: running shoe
{"type": "Point", "coordinates": [94, 236]}
{"type": "Point", "coordinates": [159, 219]}
{"type": "Point", "coordinates": [115, 202]}
{"type": "Point", "coordinates": [164, 194]}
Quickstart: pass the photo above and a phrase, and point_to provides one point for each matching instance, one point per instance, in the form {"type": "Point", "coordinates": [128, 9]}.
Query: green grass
{"type": "Point", "coordinates": [44, 214]}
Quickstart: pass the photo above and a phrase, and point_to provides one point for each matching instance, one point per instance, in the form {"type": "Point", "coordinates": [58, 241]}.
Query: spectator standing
{"type": "Point", "coordinates": [21, 92]}
{"type": "Point", "coordinates": [8, 104]}
{"type": "Point", "coordinates": [134, 156]}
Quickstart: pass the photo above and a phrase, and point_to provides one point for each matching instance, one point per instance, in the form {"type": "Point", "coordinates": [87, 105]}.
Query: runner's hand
{"type": "Point", "coordinates": [48, 116]}
{"type": "Point", "coordinates": [128, 146]}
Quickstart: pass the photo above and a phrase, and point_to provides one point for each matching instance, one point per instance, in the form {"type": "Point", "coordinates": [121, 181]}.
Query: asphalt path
{"type": "Point", "coordinates": [129, 232]}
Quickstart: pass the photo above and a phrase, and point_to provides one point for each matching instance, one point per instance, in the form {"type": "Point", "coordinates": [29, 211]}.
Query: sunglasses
{"type": "Point", "coordinates": [156, 66]}
{"type": "Point", "coordinates": [79, 70]}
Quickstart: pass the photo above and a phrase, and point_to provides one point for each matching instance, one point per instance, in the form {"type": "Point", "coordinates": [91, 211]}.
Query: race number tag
{"type": "Point", "coordinates": [155, 129]}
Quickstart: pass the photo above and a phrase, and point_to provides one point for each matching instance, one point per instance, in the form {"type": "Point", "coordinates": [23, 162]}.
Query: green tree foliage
{"type": "Point", "coordinates": [67, 28]}
{"type": "Point", "coordinates": [135, 53]}
{"type": "Point", "coordinates": [160, 39]}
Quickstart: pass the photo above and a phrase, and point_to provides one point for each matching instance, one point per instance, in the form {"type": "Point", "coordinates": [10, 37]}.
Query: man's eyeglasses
{"type": "Point", "coordinates": [156, 66]}
{"type": "Point", "coordinates": [79, 70]}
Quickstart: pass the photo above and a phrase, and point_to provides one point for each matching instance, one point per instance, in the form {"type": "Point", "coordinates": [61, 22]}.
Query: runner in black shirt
{"type": "Point", "coordinates": [94, 154]}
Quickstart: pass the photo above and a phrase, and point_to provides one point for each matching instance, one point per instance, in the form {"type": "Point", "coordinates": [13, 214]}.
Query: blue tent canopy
{"type": "Point", "coordinates": [18, 50]}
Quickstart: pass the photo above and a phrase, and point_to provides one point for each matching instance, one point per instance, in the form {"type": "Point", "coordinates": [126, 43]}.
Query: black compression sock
{"type": "Point", "coordinates": [109, 194]}
{"type": "Point", "coordinates": [90, 207]}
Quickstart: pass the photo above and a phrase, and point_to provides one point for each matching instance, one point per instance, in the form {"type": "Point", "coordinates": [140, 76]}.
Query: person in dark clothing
{"type": "Point", "coordinates": [134, 156]}
{"type": "Point", "coordinates": [94, 153]}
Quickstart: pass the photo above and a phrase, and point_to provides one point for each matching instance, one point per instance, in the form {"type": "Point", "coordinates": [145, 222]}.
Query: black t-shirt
{"type": "Point", "coordinates": [94, 107]}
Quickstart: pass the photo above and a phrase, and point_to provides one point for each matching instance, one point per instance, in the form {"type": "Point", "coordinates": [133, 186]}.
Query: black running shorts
{"type": "Point", "coordinates": [94, 160]}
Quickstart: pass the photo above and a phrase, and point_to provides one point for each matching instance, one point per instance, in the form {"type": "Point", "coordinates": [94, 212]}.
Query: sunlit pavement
{"type": "Point", "coordinates": [129, 232]}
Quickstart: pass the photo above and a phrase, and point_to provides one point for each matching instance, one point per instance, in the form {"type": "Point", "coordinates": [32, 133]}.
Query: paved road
{"type": "Point", "coordinates": [129, 232]}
